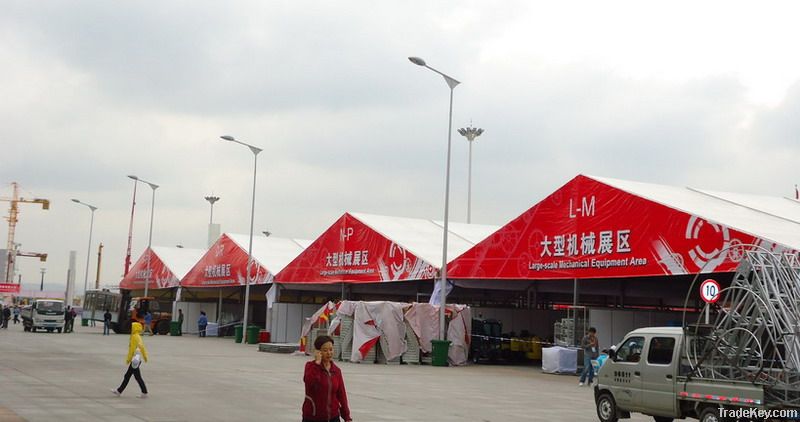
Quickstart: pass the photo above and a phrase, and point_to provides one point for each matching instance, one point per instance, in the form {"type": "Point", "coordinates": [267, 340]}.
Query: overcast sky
{"type": "Point", "coordinates": [683, 93]}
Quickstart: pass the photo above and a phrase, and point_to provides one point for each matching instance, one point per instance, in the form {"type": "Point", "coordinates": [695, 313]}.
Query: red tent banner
{"type": "Point", "coordinates": [352, 252]}
{"type": "Point", "coordinates": [588, 229]}
{"type": "Point", "coordinates": [9, 288]}
{"type": "Point", "coordinates": [225, 265]}
{"type": "Point", "coordinates": [159, 274]}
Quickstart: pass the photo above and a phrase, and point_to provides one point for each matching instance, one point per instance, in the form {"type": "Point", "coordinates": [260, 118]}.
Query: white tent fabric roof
{"type": "Point", "coordinates": [423, 238]}
{"type": "Point", "coordinates": [273, 253]}
{"type": "Point", "coordinates": [178, 260]}
{"type": "Point", "coordinates": [770, 218]}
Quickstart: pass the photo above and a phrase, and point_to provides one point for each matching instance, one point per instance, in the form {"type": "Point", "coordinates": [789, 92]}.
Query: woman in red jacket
{"type": "Point", "coordinates": [326, 398]}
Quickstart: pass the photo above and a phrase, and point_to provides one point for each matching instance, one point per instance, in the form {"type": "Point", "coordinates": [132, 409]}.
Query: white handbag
{"type": "Point", "coordinates": [136, 361]}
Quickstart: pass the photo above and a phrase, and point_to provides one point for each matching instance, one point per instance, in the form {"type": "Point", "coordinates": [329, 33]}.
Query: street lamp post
{"type": "Point", "coordinates": [153, 186]}
{"type": "Point", "coordinates": [452, 83]}
{"type": "Point", "coordinates": [211, 200]}
{"type": "Point", "coordinates": [470, 133]}
{"type": "Point", "coordinates": [255, 151]}
{"type": "Point", "coordinates": [89, 248]}
{"type": "Point", "coordinates": [41, 286]}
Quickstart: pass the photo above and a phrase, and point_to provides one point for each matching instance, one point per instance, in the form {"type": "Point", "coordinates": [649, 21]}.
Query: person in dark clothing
{"type": "Point", "coordinates": [68, 318]}
{"type": "Point", "coordinates": [180, 322]}
{"type": "Point", "coordinates": [326, 398]}
{"type": "Point", "coordinates": [202, 323]}
{"type": "Point", "coordinates": [6, 316]}
{"type": "Point", "coordinates": [591, 350]}
{"type": "Point", "coordinates": [106, 322]}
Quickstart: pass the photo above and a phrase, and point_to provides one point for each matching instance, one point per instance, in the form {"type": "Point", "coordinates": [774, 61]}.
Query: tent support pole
{"type": "Point", "coordinates": [219, 305]}
{"type": "Point", "coordinates": [575, 333]}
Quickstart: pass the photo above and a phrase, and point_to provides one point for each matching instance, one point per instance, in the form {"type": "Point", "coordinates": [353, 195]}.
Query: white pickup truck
{"type": "Point", "coordinates": [45, 314]}
{"type": "Point", "coordinates": [651, 373]}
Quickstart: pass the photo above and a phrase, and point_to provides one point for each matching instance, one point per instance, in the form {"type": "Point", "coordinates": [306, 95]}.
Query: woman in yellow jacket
{"type": "Point", "coordinates": [136, 353]}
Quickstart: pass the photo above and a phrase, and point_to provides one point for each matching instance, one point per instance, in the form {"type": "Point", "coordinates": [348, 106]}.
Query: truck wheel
{"type": "Point", "coordinates": [710, 414]}
{"type": "Point", "coordinates": [607, 408]}
{"type": "Point", "coordinates": [162, 327]}
{"type": "Point", "coordinates": [662, 419]}
{"type": "Point", "coordinates": [59, 330]}
{"type": "Point", "coordinates": [33, 329]}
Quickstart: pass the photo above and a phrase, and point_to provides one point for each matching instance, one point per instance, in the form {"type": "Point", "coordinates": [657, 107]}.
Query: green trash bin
{"type": "Point", "coordinates": [237, 336]}
{"type": "Point", "coordinates": [252, 334]}
{"type": "Point", "coordinates": [84, 322]}
{"type": "Point", "coordinates": [439, 353]}
{"type": "Point", "coordinates": [174, 328]}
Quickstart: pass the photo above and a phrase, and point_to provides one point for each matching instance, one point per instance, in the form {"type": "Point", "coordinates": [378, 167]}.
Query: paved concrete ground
{"type": "Point", "coordinates": [67, 377]}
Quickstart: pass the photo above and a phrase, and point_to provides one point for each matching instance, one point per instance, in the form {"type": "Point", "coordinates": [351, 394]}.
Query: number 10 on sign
{"type": "Point", "coordinates": [709, 292]}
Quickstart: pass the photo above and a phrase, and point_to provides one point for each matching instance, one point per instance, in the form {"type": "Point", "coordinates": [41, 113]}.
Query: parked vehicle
{"type": "Point", "coordinates": [486, 343]}
{"type": "Point", "coordinates": [46, 314]}
{"type": "Point", "coordinates": [744, 366]}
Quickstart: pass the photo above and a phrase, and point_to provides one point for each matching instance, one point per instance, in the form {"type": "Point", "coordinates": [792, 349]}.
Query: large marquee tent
{"type": "Point", "coordinates": [168, 265]}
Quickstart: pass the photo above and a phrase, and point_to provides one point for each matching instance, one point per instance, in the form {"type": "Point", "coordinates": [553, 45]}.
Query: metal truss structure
{"type": "Point", "coordinates": [754, 335]}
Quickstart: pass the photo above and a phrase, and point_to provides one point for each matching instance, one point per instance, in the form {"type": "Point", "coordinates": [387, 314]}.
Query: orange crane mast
{"type": "Point", "coordinates": [12, 218]}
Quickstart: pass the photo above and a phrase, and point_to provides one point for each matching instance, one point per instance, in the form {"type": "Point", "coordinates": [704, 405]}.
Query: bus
{"type": "Point", "coordinates": [124, 309]}
{"type": "Point", "coordinates": [96, 302]}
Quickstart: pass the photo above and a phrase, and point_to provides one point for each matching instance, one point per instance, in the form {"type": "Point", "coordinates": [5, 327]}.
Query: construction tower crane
{"type": "Point", "coordinates": [13, 213]}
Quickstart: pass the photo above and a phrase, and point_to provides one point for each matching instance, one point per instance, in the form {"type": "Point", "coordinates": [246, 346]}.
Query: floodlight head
{"type": "Point", "coordinates": [417, 61]}
{"type": "Point", "coordinates": [212, 199]}
{"type": "Point", "coordinates": [76, 201]}
{"type": "Point", "coordinates": [266, 233]}
{"type": "Point", "coordinates": [227, 138]}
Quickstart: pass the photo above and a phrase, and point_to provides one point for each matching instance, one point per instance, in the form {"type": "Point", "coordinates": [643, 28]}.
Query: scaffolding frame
{"type": "Point", "coordinates": [754, 336]}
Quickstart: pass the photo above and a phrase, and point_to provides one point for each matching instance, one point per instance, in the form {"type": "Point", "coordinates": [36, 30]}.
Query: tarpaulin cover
{"type": "Point", "coordinates": [559, 360]}
{"type": "Point", "coordinates": [591, 229]}
{"type": "Point", "coordinates": [423, 318]}
{"type": "Point", "coordinates": [350, 251]}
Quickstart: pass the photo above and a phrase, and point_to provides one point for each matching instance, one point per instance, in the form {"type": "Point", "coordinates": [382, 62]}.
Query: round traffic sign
{"type": "Point", "coordinates": [709, 291]}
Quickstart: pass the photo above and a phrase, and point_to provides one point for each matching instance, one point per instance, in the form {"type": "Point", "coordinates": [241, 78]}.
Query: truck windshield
{"type": "Point", "coordinates": [50, 308]}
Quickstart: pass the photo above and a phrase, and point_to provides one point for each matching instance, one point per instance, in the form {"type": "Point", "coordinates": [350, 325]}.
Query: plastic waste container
{"type": "Point", "coordinates": [263, 336]}
{"type": "Point", "coordinates": [174, 328]}
{"type": "Point", "coordinates": [84, 322]}
{"type": "Point", "coordinates": [238, 331]}
{"type": "Point", "coordinates": [439, 352]}
{"type": "Point", "coordinates": [252, 334]}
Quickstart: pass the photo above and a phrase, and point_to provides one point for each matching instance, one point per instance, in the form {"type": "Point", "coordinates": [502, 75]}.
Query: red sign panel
{"type": "Point", "coordinates": [160, 276]}
{"type": "Point", "coordinates": [350, 251]}
{"type": "Point", "coordinates": [225, 265]}
{"type": "Point", "coordinates": [9, 288]}
{"type": "Point", "coordinates": [588, 229]}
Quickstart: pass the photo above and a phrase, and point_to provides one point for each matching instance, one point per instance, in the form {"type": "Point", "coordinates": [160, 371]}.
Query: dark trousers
{"type": "Point", "coordinates": [137, 373]}
{"type": "Point", "coordinates": [202, 330]}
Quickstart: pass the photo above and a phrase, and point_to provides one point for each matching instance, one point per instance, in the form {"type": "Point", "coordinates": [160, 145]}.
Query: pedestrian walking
{"type": "Point", "coordinates": [202, 323]}
{"type": "Point", "coordinates": [180, 322]}
{"type": "Point", "coordinates": [106, 323]}
{"type": "Point", "coordinates": [591, 349]}
{"type": "Point", "coordinates": [6, 316]}
{"type": "Point", "coordinates": [137, 354]}
{"type": "Point", "coordinates": [16, 315]}
{"type": "Point", "coordinates": [148, 322]}
{"type": "Point", "coordinates": [326, 398]}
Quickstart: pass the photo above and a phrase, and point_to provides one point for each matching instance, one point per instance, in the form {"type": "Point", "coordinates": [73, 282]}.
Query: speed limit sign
{"type": "Point", "coordinates": [709, 291]}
